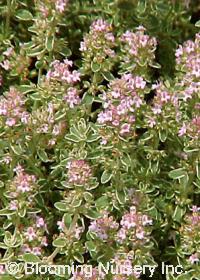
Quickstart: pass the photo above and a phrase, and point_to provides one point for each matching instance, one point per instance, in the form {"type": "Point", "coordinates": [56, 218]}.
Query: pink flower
{"type": "Point", "coordinates": [182, 131]}
{"type": "Point", "coordinates": [2, 269]}
{"type": "Point", "coordinates": [44, 241]}
{"type": "Point", "coordinates": [23, 186]}
{"type": "Point", "coordinates": [179, 51]}
{"type": "Point", "coordinates": [151, 122]}
{"type": "Point", "coordinates": [7, 159]}
{"type": "Point", "coordinates": [13, 205]}
{"type": "Point", "coordinates": [83, 47]}
{"type": "Point", "coordinates": [61, 72]}
{"type": "Point", "coordinates": [140, 234]}
{"type": "Point", "coordinates": [30, 234]}
{"type": "Point", "coordinates": [125, 128]}
{"type": "Point", "coordinates": [72, 97]}
{"type": "Point", "coordinates": [61, 225]}
{"type": "Point", "coordinates": [18, 169]}
{"type": "Point", "coordinates": [103, 141]}
{"type": "Point", "coordinates": [194, 258]}
{"type": "Point", "coordinates": [103, 226]}
{"type": "Point", "coordinates": [25, 248]}
{"type": "Point", "coordinates": [40, 222]}
{"type": "Point", "coordinates": [139, 82]}
{"type": "Point", "coordinates": [10, 122]}
{"type": "Point", "coordinates": [5, 64]}
{"type": "Point", "coordinates": [77, 232]}
{"type": "Point", "coordinates": [101, 25]}
{"type": "Point", "coordinates": [37, 251]}
{"type": "Point", "coordinates": [79, 172]}
{"type": "Point", "coordinates": [61, 5]}
{"type": "Point", "coordinates": [133, 226]}
{"type": "Point", "coordinates": [8, 52]}
{"type": "Point", "coordinates": [195, 209]}
{"type": "Point", "coordinates": [157, 109]}
{"type": "Point", "coordinates": [110, 37]}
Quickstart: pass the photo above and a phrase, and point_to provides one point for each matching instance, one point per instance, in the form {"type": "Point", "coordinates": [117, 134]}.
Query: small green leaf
{"type": "Point", "coordinates": [60, 206]}
{"type": "Point", "coordinates": [60, 242]}
{"type": "Point", "coordinates": [49, 44]}
{"type": "Point", "coordinates": [59, 115]}
{"type": "Point", "coordinates": [31, 258]}
{"type": "Point", "coordinates": [78, 257]}
{"type": "Point", "coordinates": [22, 212]}
{"type": "Point", "coordinates": [95, 66]}
{"type": "Point", "coordinates": [24, 15]}
{"type": "Point", "coordinates": [88, 196]}
{"type": "Point", "coordinates": [6, 212]}
{"type": "Point", "coordinates": [35, 96]}
{"type": "Point", "coordinates": [102, 202]}
{"type": "Point", "coordinates": [65, 52]}
{"type": "Point", "coordinates": [67, 220]}
{"type": "Point", "coordinates": [93, 137]}
{"type": "Point", "coordinates": [187, 275]}
{"type": "Point", "coordinates": [76, 202]}
{"type": "Point", "coordinates": [72, 138]}
{"type": "Point", "coordinates": [87, 99]}
{"type": "Point", "coordinates": [197, 24]}
{"type": "Point", "coordinates": [155, 65]}
{"type": "Point", "coordinates": [90, 245]}
{"type": "Point", "coordinates": [108, 76]}
{"type": "Point", "coordinates": [190, 150]}
{"type": "Point", "coordinates": [121, 197]}
{"type": "Point", "coordinates": [163, 135]}
{"type": "Point", "coordinates": [178, 214]}
{"type": "Point", "coordinates": [177, 173]}
{"type": "Point", "coordinates": [3, 246]}
{"type": "Point", "coordinates": [92, 214]}
{"type": "Point", "coordinates": [17, 149]}
{"type": "Point", "coordinates": [27, 88]}
{"type": "Point", "coordinates": [36, 51]}
{"type": "Point", "coordinates": [106, 176]}
{"type": "Point", "coordinates": [198, 169]}
{"type": "Point", "coordinates": [43, 155]}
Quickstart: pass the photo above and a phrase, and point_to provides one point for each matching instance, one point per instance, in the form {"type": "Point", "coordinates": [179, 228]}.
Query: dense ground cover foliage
{"type": "Point", "coordinates": [100, 129]}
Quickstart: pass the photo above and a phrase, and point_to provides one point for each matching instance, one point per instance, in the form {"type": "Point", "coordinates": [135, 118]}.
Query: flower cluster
{"type": "Point", "coordinates": [16, 62]}
{"type": "Point", "coordinates": [76, 231]}
{"type": "Point", "coordinates": [43, 122]}
{"type": "Point", "coordinates": [79, 172]}
{"type": "Point", "coordinates": [164, 113]}
{"type": "Point", "coordinates": [104, 227]}
{"type": "Point", "coordinates": [61, 5]}
{"type": "Point", "coordinates": [190, 240]}
{"type": "Point", "coordinates": [23, 184]}
{"type": "Point", "coordinates": [122, 102]}
{"type": "Point", "coordinates": [62, 79]}
{"type": "Point", "coordinates": [46, 7]}
{"type": "Point", "coordinates": [97, 46]}
{"type": "Point", "coordinates": [60, 72]}
{"type": "Point", "coordinates": [5, 64]}
{"type": "Point", "coordinates": [34, 236]}
{"type": "Point", "coordinates": [191, 129]}
{"type": "Point", "coordinates": [188, 69]}
{"type": "Point", "coordinates": [12, 108]}
{"type": "Point", "coordinates": [134, 227]}
{"type": "Point", "coordinates": [188, 58]}
{"type": "Point", "coordinates": [188, 85]}
{"type": "Point", "coordinates": [138, 50]}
